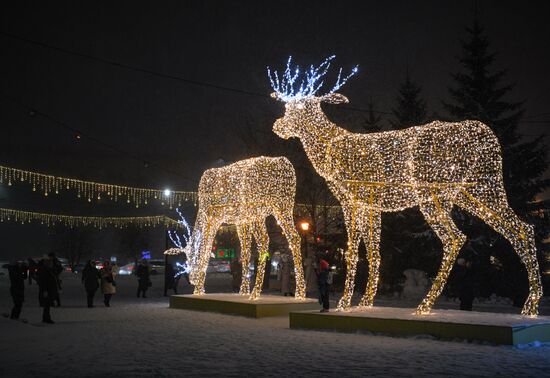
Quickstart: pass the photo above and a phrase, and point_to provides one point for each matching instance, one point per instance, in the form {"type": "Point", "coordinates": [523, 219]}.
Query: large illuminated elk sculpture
{"type": "Point", "coordinates": [434, 166]}
{"type": "Point", "coordinates": [244, 193]}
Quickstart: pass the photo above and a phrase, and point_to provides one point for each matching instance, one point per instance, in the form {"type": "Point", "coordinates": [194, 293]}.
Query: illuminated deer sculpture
{"type": "Point", "coordinates": [434, 166]}
{"type": "Point", "coordinates": [244, 193]}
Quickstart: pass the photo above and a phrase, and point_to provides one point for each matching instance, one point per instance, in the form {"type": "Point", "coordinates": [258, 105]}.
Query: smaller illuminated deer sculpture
{"type": "Point", "coordinates": [244, 193]}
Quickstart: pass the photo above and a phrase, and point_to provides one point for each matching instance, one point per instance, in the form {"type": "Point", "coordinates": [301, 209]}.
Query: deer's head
{"type": "Point", "coordinates": [302, 95]}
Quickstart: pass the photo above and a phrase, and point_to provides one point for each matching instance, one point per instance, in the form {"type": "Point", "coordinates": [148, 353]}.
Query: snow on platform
{"type": "Point", "coordinates": [496, 328]}
{"type": "Point", "coordinates": [265, 306]}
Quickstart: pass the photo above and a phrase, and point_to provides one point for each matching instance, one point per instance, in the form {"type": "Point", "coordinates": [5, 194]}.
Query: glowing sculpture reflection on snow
{"type": "Point", "coordinates": [434, 166]}
{"type": "Point", "coordinates": [244, 193]}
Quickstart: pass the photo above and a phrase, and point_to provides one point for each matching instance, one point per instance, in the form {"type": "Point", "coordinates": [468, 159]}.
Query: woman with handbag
{"type": "Point", "coordinates": [108, 284]}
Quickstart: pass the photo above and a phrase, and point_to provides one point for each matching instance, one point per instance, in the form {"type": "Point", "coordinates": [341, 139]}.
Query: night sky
{"type": "Point", "coordinates": [163, 130]}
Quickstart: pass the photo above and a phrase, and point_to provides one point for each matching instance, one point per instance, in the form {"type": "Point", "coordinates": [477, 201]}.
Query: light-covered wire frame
{"type": "Point", "coordinates": [245, 193]}
{"type": "Point", "coordinates": [434, 166]}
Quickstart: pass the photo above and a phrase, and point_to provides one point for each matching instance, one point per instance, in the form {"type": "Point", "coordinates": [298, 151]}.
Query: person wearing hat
{"type": "Point", "coordinates": [324, 284]}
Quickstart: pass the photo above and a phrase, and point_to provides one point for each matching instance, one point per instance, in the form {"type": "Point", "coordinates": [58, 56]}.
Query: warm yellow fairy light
{"type": "Point", "coordinates": [245, 193]}
{"type": "Point", "coordinates": [434, 166]}
{"type": "Point", "coordinates": [91, 191]}
{"type": "Point", "coordinates": [72, 221]}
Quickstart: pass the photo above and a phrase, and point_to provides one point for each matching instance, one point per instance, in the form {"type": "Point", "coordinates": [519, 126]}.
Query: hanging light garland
{"type": "Point", "coordinates": [25, 217]}
{"type": "Point", "coordinates": [90, 190]}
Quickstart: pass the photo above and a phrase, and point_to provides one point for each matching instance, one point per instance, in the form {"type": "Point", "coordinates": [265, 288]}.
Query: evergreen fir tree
{"type": "Point", "coordinates": [478, 93]}
{"type": "Point", "coordinates": [411, 108]}
{"type": "Point", "coordinates": [373, 121]}
{"type": "Point", "coordinates": [407, 242]}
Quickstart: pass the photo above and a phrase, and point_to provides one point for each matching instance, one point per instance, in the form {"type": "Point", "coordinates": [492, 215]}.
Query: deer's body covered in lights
{"type": "Point", "coordinates": [434, 166]}
{"type": "Point", "coordinates": [244, 193]}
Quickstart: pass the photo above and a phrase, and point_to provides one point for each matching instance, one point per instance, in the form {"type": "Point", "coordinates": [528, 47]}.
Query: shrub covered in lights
{"type": "Point", "coordinates": [434, 166]}
{"type": "Point", "coordinates": [244, 193]}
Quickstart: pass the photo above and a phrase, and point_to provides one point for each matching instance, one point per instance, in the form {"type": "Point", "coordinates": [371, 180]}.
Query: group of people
{"type": "Point", "coordinates": [316, 274]}
{"type": "Point", "coordinates": [47, 274]}
{"type": "Point", "coordinates": [93, 278]}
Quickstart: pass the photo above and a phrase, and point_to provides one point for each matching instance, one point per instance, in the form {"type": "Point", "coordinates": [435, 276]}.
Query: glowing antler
{"type": "Point", "coordinates": [175, 238]}
{"type": "Point", "coordinates": [311, 84]}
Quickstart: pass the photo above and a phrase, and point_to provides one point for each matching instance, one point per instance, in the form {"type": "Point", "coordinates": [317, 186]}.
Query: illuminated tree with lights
{"type": "Point", "coordinates": [244, 193]}
{"type": "Point", "coordinates": [434, 166]}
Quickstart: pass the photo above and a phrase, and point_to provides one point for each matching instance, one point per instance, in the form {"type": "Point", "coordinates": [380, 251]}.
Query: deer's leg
{"type": "Point", "coordinates": [245, 238]}
{"type": "Point", "coordinates": [212, 226]}
{"type": "Point", "coordinates": [371, 238]}
{"type": "Point", "coordinates": [285, 220]}
{"type": "Point", "coordinates": [437, 214]}
{"type": "Point", "coordinates": [262, 241]}
{"type": "Point", "coordinates": [492, 207]}
{"type": "Point", "coordinates": [354, 237]}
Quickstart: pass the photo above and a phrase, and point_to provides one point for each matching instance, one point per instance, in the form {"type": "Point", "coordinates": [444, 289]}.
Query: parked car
{"type": "Point", "coordinates": [157, 266]}
{"type": "Point", "coordinates": [218, 266]}
{"type": "Point", "coordinates": [127, 270]}
{"type": "Point", "coordinates": [78, 268]}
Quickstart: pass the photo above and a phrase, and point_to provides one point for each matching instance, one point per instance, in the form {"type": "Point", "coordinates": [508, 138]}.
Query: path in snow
{"type": "Point", "coordinates": [143, 337]}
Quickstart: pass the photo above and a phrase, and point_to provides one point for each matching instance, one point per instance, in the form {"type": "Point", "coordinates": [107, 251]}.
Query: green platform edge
{"type": "Point", "coordinates": [253, 310]}
{"type": "Point", "coordinates": [509, 335]}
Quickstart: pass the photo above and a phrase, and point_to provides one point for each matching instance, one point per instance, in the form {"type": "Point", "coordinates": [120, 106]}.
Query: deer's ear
{"type": "Point", "coordinates": [335, 98]}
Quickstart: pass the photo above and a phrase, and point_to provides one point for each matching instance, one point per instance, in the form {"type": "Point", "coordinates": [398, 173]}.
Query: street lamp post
{"type": "Point", "coordinates": [304, 227]}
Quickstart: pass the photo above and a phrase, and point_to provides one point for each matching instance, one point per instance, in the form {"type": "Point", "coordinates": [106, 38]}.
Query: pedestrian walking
{"type": "Point", "coordinates": [143, 274]}
{"type": "Point", "coordinates": [170, 281]}
{"type": "Point", "coordinates": [90, 279]}
{"type": "Point", "coordinates": [325, 280]}
{"type": "Point", "coordinates": [465, 282]}
{"type": "Point", "coordinates": [57, 270]}
{"type": "Point", "coordinates": [310, 270]}
{"type": "Point", "coordinates": [32, 268]}
{"type": "Point", "coordinates": [108, 283]}
{"type": "Point", "coordinates": [47, 287]}
{"type": "Point", "coordinates": [284, 269]}
{"type": "Point", "coordinates": [18, 274]}
{"type": "Point", "coordinates": [236, 269]}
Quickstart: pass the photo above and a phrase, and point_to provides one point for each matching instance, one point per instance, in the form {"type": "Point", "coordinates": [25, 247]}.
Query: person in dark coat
{"type": "Point", "coordinates": [47, 287]}
{"type": "Point", "coordinates": [324, 284]}
{"type": "Point", "coordinates": [464, 277]}
{"type": "Point", "coordinates": [170, 279]}
{"type": "Point", "coordinates": [90, 279]}
{"type": "Point", "coordinates": [143, 273]}
{"type": "Point", "coordinates": [18, 275]}
{"type": "Point", "coordinates": [57, 270]}
{"type": "Point", "coordinates": [236, 269]}
{"type": "Point", "coordinates": [31, 266]}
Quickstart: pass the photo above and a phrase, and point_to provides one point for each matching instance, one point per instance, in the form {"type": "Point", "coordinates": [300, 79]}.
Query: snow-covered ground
{"type": "Point", "coordinates": [143, 337]}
